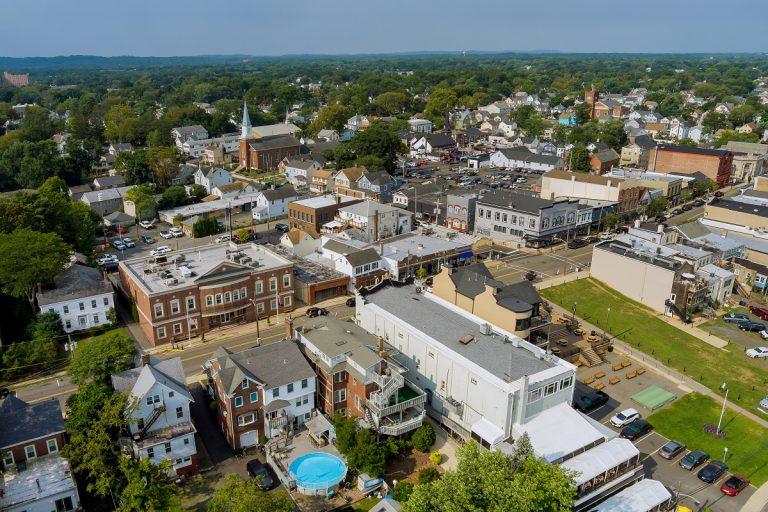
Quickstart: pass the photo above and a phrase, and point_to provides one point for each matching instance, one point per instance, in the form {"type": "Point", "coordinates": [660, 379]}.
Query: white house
{"type": "Point", "coordinates": [211, 177]}
{"type": "Point", "coordinates": [273, 203]}
{"type": "Point", "coordinates": [522, 158]}
{"type": "Point", "coordinates": [157, 413]}
{"type": "Point", "coordinates": [229, 142]}
{"type": "Point", "coordinates": [182, 134]}
{"type": "Point", "coordinates": [420, 125]}
{"type": "Point", "coordinates": [353, 258]}
{"type": "Point", "coordinates": [299, 171]}
{"type": "Point", "coordinates": [299, 242]}
{"type": "Point", "coordinates": [81, 297]}
{"type": "Point", "coordinates": [375, 220]}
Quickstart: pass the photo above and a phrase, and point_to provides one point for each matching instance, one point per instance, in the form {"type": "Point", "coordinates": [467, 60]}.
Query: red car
{"type": "Point", "coordinates": [734, 485]}
{"type": "Point", "coordinates": [761, 312]}
{"type": "Point", "coordinates": [121, 230]}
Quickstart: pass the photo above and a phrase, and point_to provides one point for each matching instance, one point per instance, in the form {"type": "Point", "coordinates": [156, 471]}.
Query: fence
{"type": "Point", "coordinates": [558, 280]}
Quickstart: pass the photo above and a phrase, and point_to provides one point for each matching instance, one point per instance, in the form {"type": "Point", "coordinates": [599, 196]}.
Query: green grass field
{"type": "Point", "coordinates": [638, 326]}
{"type": "Point", "coordinates": [746, 441]}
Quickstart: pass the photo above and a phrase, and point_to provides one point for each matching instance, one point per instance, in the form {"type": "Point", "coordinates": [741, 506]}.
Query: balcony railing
{"type": "Point", "coordinates": [278, 422]}
{"type": "Point", "coordinates": [403, 427]}
{"type": "Point", "coordinates": [381, 412]}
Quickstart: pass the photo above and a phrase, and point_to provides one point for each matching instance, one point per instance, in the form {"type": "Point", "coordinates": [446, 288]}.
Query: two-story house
{"type": "Point", "coordinates": [212, 177]}
{"type": "Point", "coordinates": [35, 477]}
{"type": "Point", "coordinates": [260, 391]}
{"type": "Point", "coordinates": [298, 171]}
{"type": "Point", "coordinates": [157, 413]}
{"type": "Point", "coordinates": [378, 186]}
{"type": "Point", "coordinates": [375, 220]}
{"type": "Point", "coordinates": [273, 203]}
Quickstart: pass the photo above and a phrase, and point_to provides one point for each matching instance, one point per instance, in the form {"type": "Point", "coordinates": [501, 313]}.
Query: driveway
{"type": "Point", "coordinates": [209, 432]}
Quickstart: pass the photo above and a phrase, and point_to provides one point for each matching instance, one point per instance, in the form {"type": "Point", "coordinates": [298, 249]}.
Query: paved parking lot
{"type": "Point", "coordinates": [656, 467]}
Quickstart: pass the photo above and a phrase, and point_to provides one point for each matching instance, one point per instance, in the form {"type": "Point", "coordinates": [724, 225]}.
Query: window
{"type": "Point", "coordinates": [358, 270]}
{"type": "Point", "coordinates": [167, 447]}
{"type": "Point", "coordinates": [209, 300]}
{"type": "Point", "coordinates": [298, 402]}
{"type": "Point", "coordinates": [254, 396]}
{"type": "Point", "coordinates": [218, 298]}
{"type": "Point", "coordinates": [161, 332]}
{"type": "Point", "coordinates": [30, 451]}
{"type": "Point", "coordinates": [304, 383]}
{"type": "Point", "coordinates": [275, 392]}
{"type": "Point", "coordinates": [106, 301]}
{"type": "Point", "coordinates": [176, 329]}
{"type": "Point", "coordinates": [238, 401]}
{"type": "Point", "coordinates": [95, 319]}
{"type": "Point", "coordinates": [68, 324]}
{"type": "Point", "coordinates": [340, 376]}
{"type": "Point", "coordinates": [544, 223]}
{"type": "Point", "coordinates": [93, 303]}
{"type": "Point", "coordinates": [82, 306]}
{"type": "Point", "coordinates": [64, 504]}
{"type": "Point", "coordinates": [227, 297]}
{"type": "Point", "coordinates": [287, 301]}
{"type": "Point", "coordinates": [66, 309]}
{"type": "Point", "coordinates": [534, 395]}
{"type": "Point", "coordinates": [259, 287]}
{"type": "Point", "coordinates": [243, 293]}
{"type": "Point", "coordinates": [479, 212]}
{"type": "Point", "coordinates": [290, 387]}
{"type": "Point", "coordinates": [190, 303]}
{"type": "Point", "coordinates": [179, 412]}
{"type": "Point", "coordinates": [171, 394]}
{"type": "Point", "coordinates": [358, 403]}
{"type": "Point", "coordinates": [366, 268]}
{"type": "Point", "coordinates": [246, 419]}
{"type": "Point", "coordinates": [150, 453]}
{"type": "Point", "coordinates": [273, 304]}
{"type": "Point", "coordinates": [186, 441]}
{"type": "Point", "coordinates": [571, 217]}
{"type": "Point", "coordinates": [286, 280]}
{"type": "Point", "coordinates": [305, 401]}
{"type": "Point", "coordinates": [8, 458]}
{"type": "Point", "coordinates": [550, 389]}
{"type": "Point", "coordinates": [497, 216]}
{"type": "Point", "coordinates": [52, 445]}
{"type": "Point", "coordinates": [260, 307]}
{"type": "Point", "coordinates": [175, 306]}
{"type": "Point", "coordinates": [340, 396]}
{"type": "Point", "coordinates": [153, 399]}
{"type": "Point", "coordinates": [566, 383]}
{"type": "Point", "coordinates": [158, 308]}
{"type": "Point", "coordinates": [272, 284]}
{"type": "Point", "coordinates": [532, 223]}
{"type": "Point", "coordinates": [504, 217]}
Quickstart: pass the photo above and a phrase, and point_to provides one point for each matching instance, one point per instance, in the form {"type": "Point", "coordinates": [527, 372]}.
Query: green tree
{"type": "Point", "coordinates": [37, 124]}
{"type": "Point", "coordinates": [29, 356]}
{"type": "Point", "coordinates": [164, 163]}
{"type": "Point", "coordinates": [147, 486]}
{"type": "Point", "coordinates": [611, 220]}
{"type": "Point", "coordinates": [366, 455]}
{"type": "Point", "coordinates": [143, 197]}
{"type": "Point", "coordinates": [578, 159]}
{"type": "Point", "coordinates": [657, 206]}
{"type": "Point", "coordinates": [428, 474]}
{"type": "Point", "coordinates": [714, 121]}
{"type": "Point", "coordinates": [345, 429]}
{"type": "Point", "coordinates": [97, 358]}
{"type": "Point", "coordinates": [175, 195]}
{"type": "Point", "coordinates": [121, 124]}
{"type": "Point", "coordinates": [46, 326]}
{"type": "Point", "coordinates": [133, 167]}
{"type": "Point", "coordinates": [197, 193]}
{"type": "Point", "coordinates": [330, 117]}
{"type": "Point", "coordinates": [423, 437]}
{"type": "Point", "coordinates": [613, 134]}
{"type": "Point", "coordinates": [380, 140]}
{"type": "Point", "coordinates": [205, 226]}
{"type": "Point", "coordinates": [732, 135]}
{"type": "Point", "coordinates": [28, 258]}
{"type": "Point", "coordinates": [402, 491]}
{"type": "Point", "coordinates": [239, 494]}
{"type": "Point", "coordinates": [392, 103]}
{"type": "Point", "coordinates": [582, 111]}
{"type": "Point", "coordinates": [441, 100]}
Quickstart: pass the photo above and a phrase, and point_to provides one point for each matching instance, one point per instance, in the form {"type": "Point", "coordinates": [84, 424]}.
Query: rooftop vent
{"type": "Point", "coordinates": [465, 340]}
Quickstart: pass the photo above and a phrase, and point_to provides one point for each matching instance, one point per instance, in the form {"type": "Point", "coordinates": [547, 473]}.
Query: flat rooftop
{"type": "Point", "coordinates": [179, 269]}
{"type": "Point", "coordinates": [308, 271]}
{"type": "Point", "coordinates": [336, 337]}
{"type": "Point", "coordinates": [191, 210]}
{"type": "Point", "coordinates": [44, 477]}
{"type": "Point", "coordinates": [322, 201]}
{"type": "Point", "coordinates": [642, 250]}
{"type": "Point", "coordinates": [416, 244]}
{"type": "Point", "coordinates": [489, 351]}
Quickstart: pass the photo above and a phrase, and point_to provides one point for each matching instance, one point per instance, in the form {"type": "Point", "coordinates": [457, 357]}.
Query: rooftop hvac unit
{"type": "Point", "coordinates": [487, 329]}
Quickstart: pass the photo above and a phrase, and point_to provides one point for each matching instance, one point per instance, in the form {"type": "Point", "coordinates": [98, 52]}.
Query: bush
{"type": "Point", "coordinates": [429, 474]}
{"type": "Point", "coordinates": [263, 440]}
{"type": "Point", "coordinates": [402, 491]}
{"type": "Point", "coordinates": [436, 457]}
{"type": "Point", "coordinates": [205, 227]}
{"type": "Point", "coordinates": [423, 437]}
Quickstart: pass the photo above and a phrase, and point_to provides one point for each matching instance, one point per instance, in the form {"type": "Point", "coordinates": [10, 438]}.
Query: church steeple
{"type": "Point", "coordinates": [246, 126]}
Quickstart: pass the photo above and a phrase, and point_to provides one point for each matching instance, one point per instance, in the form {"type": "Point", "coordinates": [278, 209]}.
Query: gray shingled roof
{"type": "Point", "coordinates": [362, 257]}
{"type": "Point", "coordinates": [514, 201]}
{"type": "Point", "coordinates": [137, 381]}
{"type": "Point", "coordinates": [280, 193]}
{"type": "Point", "coordinates": [470, 281]}
{"type": "Point", "coordinates": [74, 282]}
{"type": "Point", "coordinates": [274, 142]}
{"type": "Point", "coordinates": [23, 422]}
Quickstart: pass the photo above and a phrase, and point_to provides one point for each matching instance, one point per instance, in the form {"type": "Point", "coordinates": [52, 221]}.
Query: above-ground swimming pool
{"type": "Point", "coordinates": [317, 472]}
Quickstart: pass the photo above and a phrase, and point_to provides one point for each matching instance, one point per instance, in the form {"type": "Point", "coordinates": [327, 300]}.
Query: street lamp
{"type": "Point", "coordinates": [258, 331]}
{"type": "Point", "coordinates": [574, 311]}
{"type": "Point", "coordinates": [722, 411]}
{"type": "Point", "coordinates": [608, 312]}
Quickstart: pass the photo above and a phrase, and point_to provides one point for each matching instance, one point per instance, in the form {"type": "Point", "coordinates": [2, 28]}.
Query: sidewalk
{"type": "Point", "coordinates": [658, 367]}
{"type": "Point", "coordinates": [758, 501]}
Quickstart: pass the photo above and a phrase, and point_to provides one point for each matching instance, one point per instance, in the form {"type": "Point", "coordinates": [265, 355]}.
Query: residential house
{"type": "Point", "coordinates": [375, 220]}
{"type": "Point", "coordinates": [225, 144]}
{"type": "Point", "coordinates": [347, 177]}
{"type": "Point", "coordinates": [299, 243]}
{"type": "Point", "coordinates": [353, 258]}
{"type": "Point", "coordinates": [261, 391]}
{"type": "Point", "coordinates": [273, 203]}
{"type": "Point", "coordinates": [328, 135]}
{"type": "Point", "coordinates": [567, 119]}
{"type": "Point", "coordinates": [212, 177]}
{"type": "Point", "coordinates": [321, 181]}
{"type": "Point", "coordinates": [80, 296]}
{"type": "Point", "coordinates": [637, 152]}
{"type": "Point", "coordinates": [678, 128]}
{"type": "Point", "coordinates": [603, 160]}
{"type": "Point", "coordinates": [182, 134]}
{"type": "Point", "coordinates": [420, 125]}
{"type": "Point", "coordinates": [116, 148]}
{"type": "Point", "coordinates": [233, 190]}
{"type": "Point", "coordinates": [522, 158]}
{"type": "Point", "coordinates": [299, 171]}
{"type": "Point", "coordinates": [310, 214]}
{"type": "Point", "coordinates": [378, 185]}
{"type": "Point", "coordinates": [357, 122]}
{"type": "Point", "coordinates": [185, 174]}
{"type": "Point", "coordinates": [35, 478]}
{"type": "Point", "coordinates": [106, 182]}
{"type": "Point", "coordinates": [434, 144]}
{"type": "Point", "coordinates": [157, 412]}
{"type": "Point", "coordinates": [104, 202]}
{"type": "Point", "coordinates": [355, 377]}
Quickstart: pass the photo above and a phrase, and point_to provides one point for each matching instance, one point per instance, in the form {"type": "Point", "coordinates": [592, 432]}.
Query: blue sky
{"type": "Point", "coordinates": [277, 27]}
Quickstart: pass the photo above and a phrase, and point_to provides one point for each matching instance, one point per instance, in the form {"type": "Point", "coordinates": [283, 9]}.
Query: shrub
{"type": "Point", "coordinates": [436, 457]}
{"type": "Point", "coordinates": [429, 474]}
{"type": "Point", "coordinates": [402, 491]}
{"type": "Point", "coordinates": [423, 437]}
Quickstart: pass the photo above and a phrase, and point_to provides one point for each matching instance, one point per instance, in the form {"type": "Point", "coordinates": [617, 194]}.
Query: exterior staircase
{"type": "Point", "coordinates": [151, 420]}
{"type": "Point", "coordinates": [591, 357]}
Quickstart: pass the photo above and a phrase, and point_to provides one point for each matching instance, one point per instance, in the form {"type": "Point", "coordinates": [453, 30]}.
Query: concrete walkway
{"type": "Point", "coordinates": [758, 502]}
{"type": "Point", "coordinates": [656, 366]}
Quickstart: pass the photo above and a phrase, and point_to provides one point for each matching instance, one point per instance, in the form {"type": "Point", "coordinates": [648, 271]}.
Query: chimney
{"type": "Point", "coordinates": [380, 346]}
{"type": "Point", "coordinates": [375, 227]}
{"type": "Point", "coordinates": [144, 359]}
{"type": "Point", "coordinates": [660, 228]}
{"type": "Point", "coordinates": [289, 327]}
{"type": "Point", "coordinates": [338, 200]}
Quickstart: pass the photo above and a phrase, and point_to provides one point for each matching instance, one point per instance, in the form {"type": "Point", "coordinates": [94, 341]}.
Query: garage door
{"type": "Point", "coordinates": [249, 438]}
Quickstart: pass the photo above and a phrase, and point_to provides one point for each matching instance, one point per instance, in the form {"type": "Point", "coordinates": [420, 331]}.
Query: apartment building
{"type": "Point", "coordinates": [310, 214]}
{"type": "Point", "coordinates": [260, 391]}
{"type": "Point", "coordinates": [80, 296]}
{"type": "Point", "coordinates": [157, 413]}
{"type": "Point", "coordinates": [460, 211]}
{"type": "Point", "coordinates": [517, 218]}
{"type": "Point", "coordinates": [356, 377]}
{"type": "Point", "coordinates": [715, 164]}
{"type": "Point", "coordinates": [562, 184]}
{"type": "Point", "coordinates": [670, 185]}
{"type": "Point", "coordinates": [185, 293]}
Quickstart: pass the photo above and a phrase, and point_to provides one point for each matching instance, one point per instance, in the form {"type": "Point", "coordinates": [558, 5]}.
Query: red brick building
{"type": "Point", "coordinates": [714, 163]}
{"type": "Point", "coordinates": [268, 152]}
{"type": "Point", "coordinates": [185, 293]}
{"type": "Point", "coordinates": [29, 430]}
{"type": "Point", "coordinates": [16, 80]}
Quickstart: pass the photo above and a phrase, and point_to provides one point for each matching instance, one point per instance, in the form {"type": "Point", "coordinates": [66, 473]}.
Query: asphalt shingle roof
{"type": "Point", "coordinates": [74, 282]}
{"type": "Point", "coordinates": [23, 422]}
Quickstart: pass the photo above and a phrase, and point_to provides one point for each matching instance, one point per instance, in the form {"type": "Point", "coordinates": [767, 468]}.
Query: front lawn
{"type": "Point", "coordinates": [639, 327]}
{"type": "Point", "coordinates": [746, 440]}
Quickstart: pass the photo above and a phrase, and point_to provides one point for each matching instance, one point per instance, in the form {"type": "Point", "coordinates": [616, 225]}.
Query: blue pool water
{"type": "Point", "coordinates": [318, 470]}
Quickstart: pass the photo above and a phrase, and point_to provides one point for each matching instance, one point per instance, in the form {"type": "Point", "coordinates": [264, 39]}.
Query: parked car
{"type": "Point", "coordinates": [4, 392]}
{"type": "Point", "coordinates": [161, 249]}
{"type": "Point", "coordinates": [734, 485]}
{"type": "Point", "coordinates": [128, 242]}
{"type": "Point", "coordinates": [106, 258]}
{"type": "Point", "coordinates": [258, 469]}
{"type": "Point", "coordinates": [712, 471]}
{"type": "Point", "coordinates": [148, 239]}
{"type": "Point", "coordinates": [591, 401]}
{"type": "Point", "coordinates": [166, 234]}
{"type": "Point", "coordinates": [177, 232]}
{"type": "Point", "coordinates": [625, 417]}
{"type": "Point", "coordinates": [111, 266]}
{"type": "Point", "coordinates": [671, 450]}
{"type": "Point", "coordinates": [763, 405]}
{"type": "Point", "coordinates": [118, 244]}
{"type": "Point", "coordinates": [221, 238]}
{"type": "Point", "coordinates": [760, 312]}
{"type": "Point", "coordinates": [121, 230]}
{"type": "Point", "coordinates": [758, 352]}
{"type": "Point", "coordinates": [698, 202]}
{"type": "Point", "coordinates": [694, 459]}
{"type": "Point", "coordinates": [605, 235]}
{"type": "Point", "coordinates": [752, 326]}
{"type": "Point", "coordinates": [735, 317]}
{"type": "Point", "coordinates": [313, 312]}
{"type": "Point", "coordinates": [283, 228]}
{"type": "Point", "coordinates": [719, 194]}
{"type": "Point", "coordinates": [147, 224]}
{"type": "Point", "coordinates": [576, 244]}
{"type": "Point", "coordinates": [636, 429]}
{"type": "Point", "coordinates": [350, 302]}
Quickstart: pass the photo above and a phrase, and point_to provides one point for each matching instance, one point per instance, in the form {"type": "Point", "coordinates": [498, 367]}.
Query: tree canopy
{"type": "Point", "coordinates": [97, 358]}
{"type": "Point", "coordinates": [239, 494]}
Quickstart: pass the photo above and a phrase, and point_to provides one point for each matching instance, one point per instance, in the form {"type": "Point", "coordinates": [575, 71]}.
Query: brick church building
{"type": "Point", "coordinates": [264, 152]}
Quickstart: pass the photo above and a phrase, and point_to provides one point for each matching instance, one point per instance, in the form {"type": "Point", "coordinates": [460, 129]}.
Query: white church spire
{"type": "Point", "coordinates": [246, 126]}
